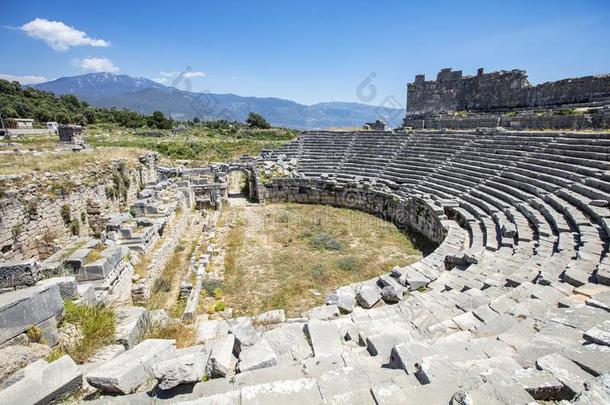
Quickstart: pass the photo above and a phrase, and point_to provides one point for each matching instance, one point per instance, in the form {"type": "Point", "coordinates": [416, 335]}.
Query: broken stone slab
{"type": "Point", "coordinates": [594, 359]}
{"type": "Point", "coordinates": [325, 338]}
{"type": "Point", "coordinates": [600, 300]}
{"type": "Point", "coordinates": [126, 372]}
{"type": "Point", "coordinates": [19, 274]}
{"type": "Point", "coordinates": [368, 296]}
{"type": "Point", "coordinates": [270, 317]}
{"type": "Point", "coordinates": [68, 288]}
{"type": "Point", "coordinates": [598, 392]}
{"type": "Point", "coordinates": [346, 303]}
{"type": "Point", "coordinates": [208, 330]}
{"type": "Point", "coordinates": [302, 391]}
{"type": "Point", "coordinates": [131, 324]}
{"type": "Point", "coordinates": [244, 332]}
{"type": "Point", "coordinates": [570, 375]}
{"type": "Point", "coordinates": [27, 307]}
{"type": "Point", "coordinates": [259, 355]}
{"type": "Point", "coordinates": [86, 292]}
{"type": "Point", "coordinates": [322, 313]}
{"type": "Point", "coordinates": [43, 383]}
{"type": "Point", "coordinates": [540, 384]}
{"type": "Point", "coordinates": [392, 293]}
{"type": "Point", "coordinates": [221, 357]}
{"type": "Point", "coordinates": [289, 343]}
{"type": "Point", "coordinates": [182, 369]}
{"type": "Point", "coordinates": [599, 334]}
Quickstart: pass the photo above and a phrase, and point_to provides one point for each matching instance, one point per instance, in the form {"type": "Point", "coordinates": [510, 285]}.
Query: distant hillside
{"type": "Point", "coordinates": [145, 96]}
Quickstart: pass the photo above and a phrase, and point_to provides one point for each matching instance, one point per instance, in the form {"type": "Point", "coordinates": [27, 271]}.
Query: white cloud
{"type": "Point", "coordinates": [58, 35]}
{"type": "Point", "coordinates": [189, 75]}
{"type": "Point", "coordinates": [25, 79]}
{"type": "Point", "coordinates": [96, 65]}
{"type": "Point", "coordinates": [161, 80]}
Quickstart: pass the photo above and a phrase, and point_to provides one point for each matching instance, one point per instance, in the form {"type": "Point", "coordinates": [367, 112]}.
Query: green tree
{"type": "Point", "coordinates": [256, 120]}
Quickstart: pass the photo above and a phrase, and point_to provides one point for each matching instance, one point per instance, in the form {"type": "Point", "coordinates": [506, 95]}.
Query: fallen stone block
{"type": "Point", "coordinates": [131, 324]}
{"type": "Point", "coordinates": [599, 334]}
{"type": "Point", "coordinates": [221, 356]}
{"type": "Point", "coordinates": [43, 383]}
{"type": "Point", "coordinates": [182, 369]}
{"type": "Point", "coordinates": [210, 330]}
{"type": "Point", "coordinates": [22, 309]}
{"type": "Point", "coordinates": [259, 355]}
{"type": "Point", "coordinates": [392, 293]}
{"type": "Point", "coordinates": [540, 384]}
{"type": "Point", "coordinates": [244, 332]}
{"type": "Point", "coordinates": [368, 296]}
{"type": "Point", "coordinates": [570, 375]}
{"type": "Point", "coordinates": [325, 338]}
{"type": "Point", "coordinates": [346, 303]}
{"type": "Point", "coordinates": [289, 343]}
{"type": "Point", "coordinates": [126, 372]}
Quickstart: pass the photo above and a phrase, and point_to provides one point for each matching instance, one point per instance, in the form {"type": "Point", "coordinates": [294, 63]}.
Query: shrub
{"type": "Point", "coordinates": [162, 285]}
{"type": "Point", "coordinates": [97, 325]}
{"type": "Point", "coordinates": [219, 306]}
{"type": "Point", "coordinates": [65, 214]}
{"type": "Point", "coordinates": [31, 209]}
{"type": "Point", "coordinates": [75, 227]}
{"type": "Point", "coordinates": [323, 240]}
{"type": "Point", "coordinates": [35, 334]}
{"type": "Point", "coordinates": [257, 121]}
{"type": "Point", "coordinates": [218, 293]}
{"type": "Point", "coordinates": [210, 286]}
{"type": "Point", "coordinates": [348, 263]}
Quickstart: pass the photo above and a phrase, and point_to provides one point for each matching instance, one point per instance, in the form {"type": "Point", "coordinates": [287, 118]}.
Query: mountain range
{"type": "Point", "coordinates": [145, 96]}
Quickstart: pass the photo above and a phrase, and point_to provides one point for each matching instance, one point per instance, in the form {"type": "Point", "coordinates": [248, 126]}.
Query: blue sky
{"type": "Point", "coordinates": [309, 51]}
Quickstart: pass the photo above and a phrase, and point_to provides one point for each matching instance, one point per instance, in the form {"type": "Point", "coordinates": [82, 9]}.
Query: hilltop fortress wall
{"type": "Point", "coordinates": [507, 99]}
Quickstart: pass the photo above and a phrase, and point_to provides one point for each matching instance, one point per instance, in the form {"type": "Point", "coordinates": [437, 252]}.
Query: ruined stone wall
{"type": "Point", "coordinates": [39, 213]}
{"type": "Point", "coordinates": [408, 214]}
{"type": "Point", "coordinates": [503, 90]}
{"type": "Point", "coordinates": [526, 121]}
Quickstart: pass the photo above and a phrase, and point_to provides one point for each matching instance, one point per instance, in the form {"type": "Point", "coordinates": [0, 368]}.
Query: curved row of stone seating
{"type": "Point", "coordinates": [540, 201]}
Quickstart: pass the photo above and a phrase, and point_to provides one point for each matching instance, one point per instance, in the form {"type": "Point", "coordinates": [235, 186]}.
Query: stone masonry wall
{"type": "Point", "coordinates": [42, 212]}
{"type": "Point", "coordinates": [410, 214]}
{"type": "Point", "coordinates": [503, 90]}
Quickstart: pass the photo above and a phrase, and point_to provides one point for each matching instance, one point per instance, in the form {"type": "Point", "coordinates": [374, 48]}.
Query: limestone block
{"type": "Point", "coordinates": [22, 309]}
{"type": "Point", "coordinates": [325, 338]}
{"type": "Point", "coordinates": [43, 383]}
{"type": "Point", "coordinates": [260, 355]}
{"type": "Point", "coordinates": [221, 356]}
{"type": "Point", "coordinates": [289, 343]}
{"type": "Point", "coordinates": [126, 372]}
{"type": "Point", "coordinates": [599, 334]}
{"type": "Point", "coordinates": [570, 375]}
{"type": "Point", "coordinates": [131, 323]}
{"type": "Point", "coordinates": [184, 369]}
{"type": "Point", "coordinates": [368, 296]}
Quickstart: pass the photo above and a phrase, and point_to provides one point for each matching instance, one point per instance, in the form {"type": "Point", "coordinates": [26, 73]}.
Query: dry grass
{"type": "Point", "coordinates": [276, 255]}
{"type": "Point", "coordinates": [184, 334]}
{"type": "Point", "coordinates": [97, 325]}
{"type": "Point", "coordinates": [63, 161]}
